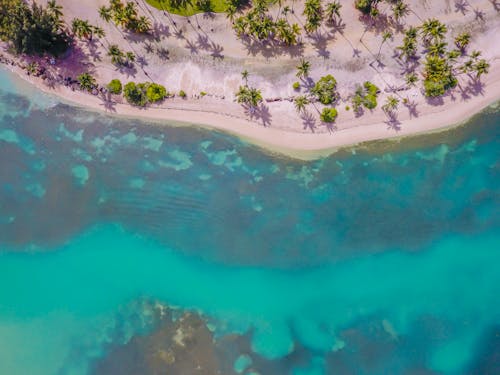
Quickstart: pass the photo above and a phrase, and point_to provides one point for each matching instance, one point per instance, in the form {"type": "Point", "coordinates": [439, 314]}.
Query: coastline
{"type": "Point", "coordinates": [304, 146]}
{"type": "Point", "coordinates": [276, 127]}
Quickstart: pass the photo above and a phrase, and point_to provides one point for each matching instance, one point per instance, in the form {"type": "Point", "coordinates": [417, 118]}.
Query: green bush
{"type": "Point", "coordinates": [366, 96]}
{"type": "Point", "coordinates": [136, 93]}
{"type": "Point", "coordinates": [371, 88]}
{"type": "Point", "coordinates": [115, 87]}
{"type": "Point", "coordinates": [182, 94]}
{"type": "Point", "coordinates": [203, 93]}
{"type": "Point", "coordinates": [296, 85]}
{"type": "Point", "coordinates": [155, 92]}
{"type": "Point", "coordinates": [324, 89]}
{"type": "Point", "coordinates": [433, 88]}
{"type": "Point", "coordinates": [347, 108]}
{"type": "Point", "coordinates": [328, 115]}
{"type": "Point", "coordinates": [370, 101]}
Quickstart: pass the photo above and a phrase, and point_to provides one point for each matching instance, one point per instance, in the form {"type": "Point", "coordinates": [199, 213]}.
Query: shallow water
{"type": "Point", "coordinates": [377, 260]}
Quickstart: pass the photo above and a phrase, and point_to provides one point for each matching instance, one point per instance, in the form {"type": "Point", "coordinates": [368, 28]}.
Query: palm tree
{"type": "Point", "coordinates": [314, 15]}
{"type": "Point", "coordinates": [231, 11]}
{"type": "Point", "coordinates": [400, 10]}
{"type": "Point", "coordinates": [244, 75]}
{"type": "Point", "coordinates": [87, 82]}
{"type": "Point", "coordinates": [332, 11]}
{"type": "Point", "coordinates": [303, 69]}
{"type": "Point", "coordinates": [105, 13]}
{"type": "Point", "coordinates": [391, 104]}
{"type": "Point", "coordinates": [411, 79]}
{"type": "Point", "coordinates": [385, 37]}
{"type": "Point", "coordinates": [99, 32]}
{"type": "Point", "coordinates": [433, 29]}
{"type": "Point", "coordinates": [437, 48]}
{"type": "Point", "coordinates": [55, 10]}
{"type": "Point", "coordinates": [82, 29]}
{"type": "Point", "coordinates": [475, 54]}
{"type": "Point", "coordinates": [300, 103]}
{"type": "Point", "coordinates": [255, 97]}
{"type": "Point", "coordinates": [462, 41]}
{"type": "Point", "coordinates": [130, 59]}
{"type": "Point", "coordinates": [481, 67]}
{"type": "Point", "coordinates": [116, 54]}
{"type": "Point", "coordinates": [143, 25]}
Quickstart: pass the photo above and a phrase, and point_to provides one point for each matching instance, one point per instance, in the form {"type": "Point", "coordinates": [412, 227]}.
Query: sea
{"type": "Point", "coordinates": [134, 247]}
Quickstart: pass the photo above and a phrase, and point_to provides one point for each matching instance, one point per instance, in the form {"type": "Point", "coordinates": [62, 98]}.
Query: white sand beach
{"type": "Point", "coordinates": [207, 56]}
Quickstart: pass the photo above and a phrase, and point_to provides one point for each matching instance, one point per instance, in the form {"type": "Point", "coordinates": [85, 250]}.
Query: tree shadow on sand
{"type": "Point", "coordinates": [392, 122]}
{"type": "Point", "coordinates": [308, 121]}
{"type": "Point", "coordinates": [107, 102]}
{"type": "Point", "coordinates": [320, 43]}
{"type": "Point", "coordinates": [260, 113]}
{"type": "Point", "coordinates": [271, 48]}
{"type": "Point", "coordinates": [411, 106]}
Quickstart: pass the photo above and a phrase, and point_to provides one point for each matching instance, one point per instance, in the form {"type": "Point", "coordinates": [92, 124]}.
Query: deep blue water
{"type": "Point", "coordinates": [380, 259]}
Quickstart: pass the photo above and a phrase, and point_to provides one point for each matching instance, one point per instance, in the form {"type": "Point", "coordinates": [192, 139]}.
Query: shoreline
{"type": "Point", "coordinates": [303, 146]}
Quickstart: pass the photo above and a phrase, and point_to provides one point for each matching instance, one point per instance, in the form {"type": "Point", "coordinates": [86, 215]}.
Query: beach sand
{"type": "Point", "coordinates": [210, 58]}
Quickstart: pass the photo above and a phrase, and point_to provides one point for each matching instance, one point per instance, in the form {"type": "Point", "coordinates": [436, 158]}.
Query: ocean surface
{"type": "Point", "coordinates": [380, 259]}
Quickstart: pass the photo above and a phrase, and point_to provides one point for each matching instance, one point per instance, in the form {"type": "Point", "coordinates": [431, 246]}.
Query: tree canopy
{"type": "Point", "coordinates": [32, 29]}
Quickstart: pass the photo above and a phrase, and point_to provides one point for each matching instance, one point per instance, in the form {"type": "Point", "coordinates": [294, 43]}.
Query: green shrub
{"type": "Point", "coordinates": [328, 115]}
{"type": "Point", "coordinates": [324, 89]}
{"type": "Point", "coordinates": [296, 85]}
{"type": "Point", "coordinates": [155, 92]}
{"type": "Point", "coordinates": [347, 108]}
{"type": "Point", "coordinates": [115, 87]}
{"type": "Point", "coordinates": [182, 94]}
{"type": "Point", "coordinates": [203, 93]}
{"type": "Point", "coordinates": [365, 96]}
{"type": "Point", "coordinates": [371, 88]}
{"type": "Point", "coordinates": [370, 101]}
{"type": "Point", "coordinates": [136, 93]}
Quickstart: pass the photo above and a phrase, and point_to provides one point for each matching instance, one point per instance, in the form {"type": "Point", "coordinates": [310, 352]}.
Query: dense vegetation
{"type": "Point", "coordinates": [140, 94]}
{"type": "Point", "coordinates": [325, 89]}
{"type": "Point", "coordinates": [366, 96]}
{"type": "Point", "coordinates": [328, 115]}
{"type": "Point", "coordinates": [115, 87]}
{"type": "Point", "coordinates": [189, 8]}
{"type": "Point", "coordinates": [32, 29]}
{"type": "Point", "coordinates": [126, 16]}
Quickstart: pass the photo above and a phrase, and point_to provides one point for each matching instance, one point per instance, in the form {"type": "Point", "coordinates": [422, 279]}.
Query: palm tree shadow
{"type": "Point", "coordinates": [476, 87]}
{"type": "Point", "coordinates": [260, 113]}
{"type": "Point", "coordinates": [392, 122]}
{"type": "Point", "coordinates": [308, 121]}
{"type": "Point", "coordinates": [161, 30]}
{"type": "Point", "coordinates": [412, 108]}
{"type": "Point", "coordinates": [495, 4]}
{"type": "Point", "coordinates": [320, 43]}
{"type": "Point", "coordinates": [129, 71]}
{"type": "Point", "coordinates": [93, 48]}
{"type": "Point", "coordinates": [331, 127]}
{"type": "Point", "coordinates": [462, 6]}
{"type": "Point", "coordinates": [192, 47]}
{"type": "Point", "coordinates": [107, 102]}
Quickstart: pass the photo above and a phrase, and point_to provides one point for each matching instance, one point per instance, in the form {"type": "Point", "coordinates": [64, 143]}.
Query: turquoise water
{"type": "Point", "coordinates": [377, 260]}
